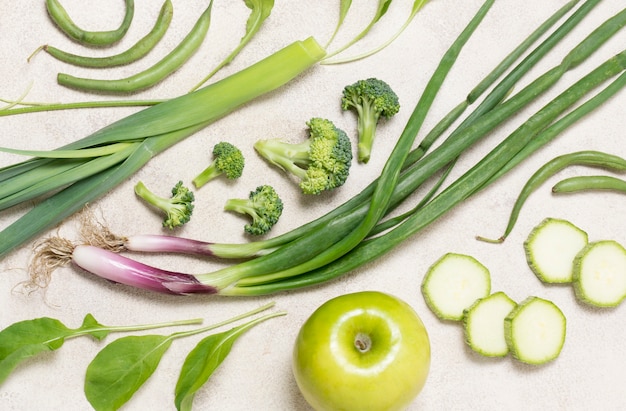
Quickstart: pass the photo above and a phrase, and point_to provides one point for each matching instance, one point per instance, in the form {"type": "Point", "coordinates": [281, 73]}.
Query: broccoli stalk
{"type": "Point", "coordinates": [177, 208]}
{"type": "Point", "coordinates": [228, 160]}
{"type": "Point", "coordinates": [263, 205]}
{"type": "Point", "coordinates": [372, 99]}
{"type": "Point", "coordinates": [322, 162]}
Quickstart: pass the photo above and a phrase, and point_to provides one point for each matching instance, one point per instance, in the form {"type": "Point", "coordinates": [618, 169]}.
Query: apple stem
{"type": "Point", "coordinates": [362, 342]}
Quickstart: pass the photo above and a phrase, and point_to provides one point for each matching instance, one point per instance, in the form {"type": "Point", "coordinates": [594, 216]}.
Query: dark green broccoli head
{"type": "Point", "coordinates": [331, 156]}
{"type": "Point", "coordinates": [177, 208]}
{"type": "Point", "coordinates": [322, 162]}
{"type": "Point", "coordinates": [371, 99]}
{"type": "Point", "coordinates": [227, 160]}
{"type": "Point", "coordinates": [263, 205]}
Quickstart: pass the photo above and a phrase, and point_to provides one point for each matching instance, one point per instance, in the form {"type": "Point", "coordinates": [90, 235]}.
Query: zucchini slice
{"type": "Point", "coordinates": [483, 324]}
{"type": "Point", "coordinates": [600, 274]}
{"type": "Point", "coordinates": [453, 283]}
{"type": "Point", "coordinates": [535, 331]}
{"type": "Point", "coordinates": [551, 247]}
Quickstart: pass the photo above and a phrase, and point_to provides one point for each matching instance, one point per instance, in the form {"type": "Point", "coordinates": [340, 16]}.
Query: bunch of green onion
{"type": "Point", "coordinates": [357, 232]}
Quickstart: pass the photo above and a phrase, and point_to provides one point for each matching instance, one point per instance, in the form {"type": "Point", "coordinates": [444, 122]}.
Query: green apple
{"type": "Point", "coordinates": [362, 351]}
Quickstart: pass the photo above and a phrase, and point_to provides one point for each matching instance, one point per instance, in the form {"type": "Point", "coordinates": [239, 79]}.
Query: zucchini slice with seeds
{"type": "Point", "coordinates": [551, 247]}
{"type": "Point", "coordinates": [600, 274]}
{"type": "Point", "coordinates": [483, 324]}
{"type": "Point", "coordinates": [453, 283]}
{"type": "Point", "coordinates": [535, 331]}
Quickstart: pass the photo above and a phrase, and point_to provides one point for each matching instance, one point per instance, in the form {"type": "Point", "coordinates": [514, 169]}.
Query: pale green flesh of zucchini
{"type": "Point", "coordinates": [453, 283]}
{"type": "Point", "coordinates": [535, 331]}
{"type": "Point", "coordinates": [551, 248]}
{"type": "Point", "coordinates": [600, 274]}
{"type": "Point", "coordinates": [484, 324]}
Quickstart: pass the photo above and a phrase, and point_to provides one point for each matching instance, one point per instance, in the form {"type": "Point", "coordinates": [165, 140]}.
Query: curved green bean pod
{"type": "Point", "coordinates": [134, 53]}
{"type": "Point", "coordinates": [59, 16]}
{"type": "Point", "coordinates": [152, 75]}
{"type": "Point", "coordinates": [585, 158]}
{"type": "Point", "coordinates": [586, 183]}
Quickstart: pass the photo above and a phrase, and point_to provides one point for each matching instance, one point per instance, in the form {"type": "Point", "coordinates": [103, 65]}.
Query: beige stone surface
{"type": "Point", "coordinates": [590, 372]}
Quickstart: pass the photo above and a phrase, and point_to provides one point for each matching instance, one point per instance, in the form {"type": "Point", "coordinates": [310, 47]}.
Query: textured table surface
{"type": "Point", "coordinates": [590, 371]}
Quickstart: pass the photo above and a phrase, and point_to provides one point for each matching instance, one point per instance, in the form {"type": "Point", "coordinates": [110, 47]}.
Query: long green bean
{"type": "Point", "coordinates": [587, 183]}
{"type": "Point", "coordinates": [140, 49]}
{"type": "Point", "coordinates": [59, 15]}
{"type": "Point", "coordinates": [549, 169]}
{"type": "Point", "coordinates": [152, 75]}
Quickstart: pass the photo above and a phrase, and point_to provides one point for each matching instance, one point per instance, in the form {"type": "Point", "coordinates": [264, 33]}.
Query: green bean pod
{"type": "Point", "coordinates": [59, 16]}
{"type": "Point", "coordinates": [586, 183]}
{"type": "Point", "coordinates": [585, 158]}
{"type": "Point", "coordinates": [152, 75]}
{"type": "Point", "coordinates": [134, 53]}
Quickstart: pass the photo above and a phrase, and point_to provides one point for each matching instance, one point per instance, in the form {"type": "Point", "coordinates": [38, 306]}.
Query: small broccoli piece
{"type": "Point", "coordinates": [228, 160]}
{"type": "Point", "coordinates": [178, 208]}
{"type": "Point", "coordinates": [372, 99]}
{"type": "Point", "coordinates": [263, 205]}
{"type": "Point", "coordinates": [322, 162]}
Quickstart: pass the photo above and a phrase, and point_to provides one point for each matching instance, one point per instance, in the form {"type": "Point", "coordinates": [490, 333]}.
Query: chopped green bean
{"type": "Point", "coordinates": [586, 158]}
{"type": "Point", "coordinates": [59, 15]}
{"type": "Point", "coordinates": [152, 75]}
{"type": "Point", "coordinates": [586, 183]}
{"type": "Point", "coordinates": [134, 53]}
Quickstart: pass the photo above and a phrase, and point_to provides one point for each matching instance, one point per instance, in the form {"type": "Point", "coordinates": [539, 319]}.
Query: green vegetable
{"type": "Point", "coordinates": [345, 5]}
{"type": "Point", "coordinates": [600, 274]}
{"type": "Point", "coordinates": [132, 54]}
{"type": "Point", "coordinates": [228, 160]}
{"type": "Point", "coordinates": [381, 10]}
{"type": "Point", "coordinates": [204, 359]}
{"type": "Point", "coordinates": [344, 8]}
{"type": "Point", "coordinates": [154, 129]}
{"type": "Point", "coordinates": [59, 16]}
{"type": "Point", "coordinates": [152, 75]}
{"type": "Point", "coordinates": [585, 183]}
{"type": "Point", "coordinates": [535, 331]}
{"type": "Point", "coordinates": [550, 249]}
{"type": "Point", "coordinates": [260, 10]}
{"type": "Point", "coordinates": [483, 324]}
{"type": "Point", "coordinates": [586, 158]}
{"type": "Point", "coordinates": [371, 99]}
{"type": "Point", "coordinates": [178, 208]}
{"type": "Point", "coordinates": [25, 339]}
{"type": "Point", "coordinates": [121, 368]}
{"type": "Point", "coordinates": [321, 163]}
{"type": "Point", "coordinates": [263, 205]}
{"type": "Point", "coordinates": [453, 283]}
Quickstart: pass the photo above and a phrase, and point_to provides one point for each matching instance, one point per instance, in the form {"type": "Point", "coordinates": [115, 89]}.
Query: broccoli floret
{"type": "Point", "coordinates": [263, 205]}
{"type": "Point", "coordinates": [227, 160]}
{"type": "Point", "coordinates": [177, 208]}
{"type": "Point", "coordinates": [372, 99]}
{"type": "Point", "coordinates": [322, 162]}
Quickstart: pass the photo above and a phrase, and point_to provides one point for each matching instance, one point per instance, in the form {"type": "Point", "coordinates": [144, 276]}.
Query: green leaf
{"type": "Point", "coordinates": [204, 359]}
{"type": "Point", "coordinates": [26, 339]}
{"type": "Point", "coordinates": [381, 10]}
{"type": "Point", "coordinates": [260, 11]}
{"type": "Point", "coordinates": [344, 7]}
{"type": "Point", "coordinates": [121, 368]}
{"type": "Point", "coordinates": [94, 328]}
